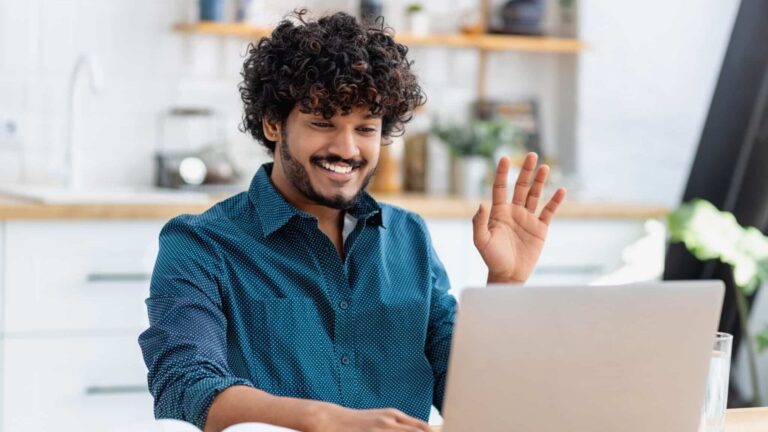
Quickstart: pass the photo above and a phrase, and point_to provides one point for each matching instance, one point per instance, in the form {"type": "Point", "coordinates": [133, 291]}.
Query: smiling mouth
{"type": "Point", "coordinates": [337, 168]}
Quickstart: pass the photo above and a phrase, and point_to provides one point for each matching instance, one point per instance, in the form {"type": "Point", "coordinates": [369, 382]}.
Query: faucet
{"type": "Point", "coordinates": [73, 158]}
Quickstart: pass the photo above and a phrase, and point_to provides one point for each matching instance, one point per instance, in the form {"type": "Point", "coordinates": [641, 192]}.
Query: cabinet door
{"type": "Point", "coordinates": [452, 240]}
{"type": "Point", "coordinates": [78, 275]}
{"type": "Point", "coordinates": [75, 384]}
{"type": "Point", "coordinates": [583, 251]}
{"type": "Point", "coordinates": [577, 251]}
{"type": "Point", "coordinates": [2, 288]}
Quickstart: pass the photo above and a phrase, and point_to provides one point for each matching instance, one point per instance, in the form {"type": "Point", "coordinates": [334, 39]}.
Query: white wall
{"type": "Point", "coordinates": [645, 86]}
{"type": "Point", "coordinates": [148, 68]}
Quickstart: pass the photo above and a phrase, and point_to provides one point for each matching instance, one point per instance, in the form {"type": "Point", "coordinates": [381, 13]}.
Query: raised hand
{"type": "Point", "coordinates": [510, 235]}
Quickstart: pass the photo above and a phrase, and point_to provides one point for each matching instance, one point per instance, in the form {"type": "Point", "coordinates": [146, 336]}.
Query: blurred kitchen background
{"type": "Point", "coordinates": [116, 115]}
{"type": "Point", "coordinates": [629, 98]}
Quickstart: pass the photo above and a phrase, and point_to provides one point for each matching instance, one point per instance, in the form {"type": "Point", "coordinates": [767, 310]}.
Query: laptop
{"type": "Point", "coordinates": [630, 358]}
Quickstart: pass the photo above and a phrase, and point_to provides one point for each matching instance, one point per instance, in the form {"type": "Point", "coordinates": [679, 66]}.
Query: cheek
{"type": "Point", "coordinates": [304, 147]}
{"type": "Point", "coordinates": [372, 153]}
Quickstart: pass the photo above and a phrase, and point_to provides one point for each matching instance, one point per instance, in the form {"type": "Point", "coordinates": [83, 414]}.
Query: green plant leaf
{"type": "Point", "coordinates": [709, 233]}
{"type": "Point", "coordinates": [762, 339]}
{"type": "Point", "coordinates": [414, 7]}
{"type": "Point", "coordinates": [478, 138]}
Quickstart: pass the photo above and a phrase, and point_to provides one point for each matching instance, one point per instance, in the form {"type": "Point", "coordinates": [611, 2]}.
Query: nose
{"type": "Point", "coordinates": [344, 144]}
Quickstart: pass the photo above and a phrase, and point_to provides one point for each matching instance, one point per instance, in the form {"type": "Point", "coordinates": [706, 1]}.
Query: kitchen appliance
{"type": "Point", "coordinates": [192, 152]}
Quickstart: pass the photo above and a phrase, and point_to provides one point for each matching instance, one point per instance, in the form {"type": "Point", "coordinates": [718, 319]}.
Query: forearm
{"type": "Point", "coordinates": [241, 404]}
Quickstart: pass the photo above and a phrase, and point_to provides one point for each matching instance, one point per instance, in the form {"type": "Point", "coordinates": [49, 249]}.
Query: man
{"type": "Point", "coordinates": [303, 302]}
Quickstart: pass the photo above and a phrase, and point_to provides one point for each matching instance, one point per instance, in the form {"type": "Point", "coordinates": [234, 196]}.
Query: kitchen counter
{"type": "Point", "coordinates": [431, 207]}
{"type": "Point", "coordinates": [746, 420]}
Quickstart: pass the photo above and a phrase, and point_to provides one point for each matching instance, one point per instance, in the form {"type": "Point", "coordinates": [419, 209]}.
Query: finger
{"type": "Point", "coordinates": [411, 422]}
{"type": "Point", "coordinates": [549, 210]}
{"type": "Point", "coordinates": [538, 184]}
{"type": "Point", "coordinates": [480, 233]}
{"type": "Point", "coordinates": [523, 183]}
{"type": "Point", "coordinates": [500, 181]}
{"type": "Point", "coordinates": [407, 428]}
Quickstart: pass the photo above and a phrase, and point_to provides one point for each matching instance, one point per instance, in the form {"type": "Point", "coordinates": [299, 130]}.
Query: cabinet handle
{"type": "Point", "coordinates": [116, 389]}
{"type": "Point", "coordinates": [118, 277]}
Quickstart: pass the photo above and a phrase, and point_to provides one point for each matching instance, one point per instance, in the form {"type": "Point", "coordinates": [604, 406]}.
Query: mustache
{"type": "Point", "coordinates": [333, 159]}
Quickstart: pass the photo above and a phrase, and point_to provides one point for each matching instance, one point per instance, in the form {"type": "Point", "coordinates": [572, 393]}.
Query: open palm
{"type": "Point", "coordinates": [510, 236]}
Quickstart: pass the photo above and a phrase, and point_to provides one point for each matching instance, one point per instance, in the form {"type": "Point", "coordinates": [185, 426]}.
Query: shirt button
{"type": "Point", "coordinates": [344, 305]}
{"type": "Point", "coordinates": [344, 360]}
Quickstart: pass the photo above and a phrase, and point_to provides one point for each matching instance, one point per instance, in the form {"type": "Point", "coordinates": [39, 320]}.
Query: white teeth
{"type": "Point", "coordinates": [337, 168]}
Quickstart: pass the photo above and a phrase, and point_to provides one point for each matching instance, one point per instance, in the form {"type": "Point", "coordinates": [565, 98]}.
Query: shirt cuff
{"type": "Point", "coordinates": [199, 397]}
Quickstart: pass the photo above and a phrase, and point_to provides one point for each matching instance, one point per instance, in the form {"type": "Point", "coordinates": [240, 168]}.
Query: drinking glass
{"type": "Point", "coordinates": [716, 398]}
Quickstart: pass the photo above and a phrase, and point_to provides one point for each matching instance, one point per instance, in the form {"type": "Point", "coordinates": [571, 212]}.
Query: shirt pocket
{"type": "Point", "coordinates": [288, 346]}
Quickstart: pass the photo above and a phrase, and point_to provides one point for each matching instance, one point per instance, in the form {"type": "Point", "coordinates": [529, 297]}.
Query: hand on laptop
{"type": "Point", "coordinates": [509, 235]}
{"type": "Point", "coordinates": [335, 418]}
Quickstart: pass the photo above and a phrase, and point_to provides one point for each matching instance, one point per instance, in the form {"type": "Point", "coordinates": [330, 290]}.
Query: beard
{"type": "Point", "coordinates": [298, 177]}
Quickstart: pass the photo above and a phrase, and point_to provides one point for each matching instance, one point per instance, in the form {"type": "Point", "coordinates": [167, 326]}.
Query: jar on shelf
{"type": "Point", "coordinates": [370, 10]}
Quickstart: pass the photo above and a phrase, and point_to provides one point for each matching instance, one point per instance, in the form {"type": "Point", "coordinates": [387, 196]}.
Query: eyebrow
{"type": "Point", "coordinates": [367, 116]}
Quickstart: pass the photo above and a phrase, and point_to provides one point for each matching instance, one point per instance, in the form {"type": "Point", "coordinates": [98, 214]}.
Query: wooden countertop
{"type": "Point", "coordinates": [432, 207]}
{"type": "Point", "coordinates": [736, 420]}
{"type": "Point", "coordinates": [747, 420]}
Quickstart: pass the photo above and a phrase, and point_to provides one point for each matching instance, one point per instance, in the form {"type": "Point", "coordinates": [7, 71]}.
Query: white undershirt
{"type": "Point", "coordinates": [350, 222]}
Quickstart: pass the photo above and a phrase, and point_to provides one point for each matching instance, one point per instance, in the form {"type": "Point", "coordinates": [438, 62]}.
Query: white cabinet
{"type": "Point", "coordinates": [77, 275]}
{"type": "Point", "coordinates": [94, 383]}
{"type": "Point", "coordinates": [2, 291]}
{"type": "Point", "coordinates": [577, 251]}
{"type": "Point", "coordinates": [590, 251]}
{"type": "Point", "coordinates": [72, 309]}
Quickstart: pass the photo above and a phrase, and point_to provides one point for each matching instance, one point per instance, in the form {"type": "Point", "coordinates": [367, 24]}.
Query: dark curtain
{"type": "Point", "coordinates": [731, 164]}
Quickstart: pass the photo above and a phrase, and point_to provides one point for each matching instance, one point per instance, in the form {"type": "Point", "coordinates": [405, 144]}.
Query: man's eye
{"type": "Point", "coordinates": [367, 129]}
{"type": "Point", "coordinates": [321, 124]}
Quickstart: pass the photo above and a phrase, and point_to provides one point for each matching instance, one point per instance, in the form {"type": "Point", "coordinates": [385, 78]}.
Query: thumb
{"type": "Point", "coordinates": [480, 233]}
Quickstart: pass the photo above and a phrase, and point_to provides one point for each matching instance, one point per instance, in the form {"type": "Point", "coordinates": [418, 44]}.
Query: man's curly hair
{"type": "Point", "coordinates": [328, 66]}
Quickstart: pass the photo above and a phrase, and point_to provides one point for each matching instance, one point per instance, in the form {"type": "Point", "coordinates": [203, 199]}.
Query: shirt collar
{"type": "Point", "coordinates": [274, 211]}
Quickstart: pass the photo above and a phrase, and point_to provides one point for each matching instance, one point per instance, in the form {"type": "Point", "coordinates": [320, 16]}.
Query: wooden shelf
{"type": "Point", "coordinates": [487, 42]}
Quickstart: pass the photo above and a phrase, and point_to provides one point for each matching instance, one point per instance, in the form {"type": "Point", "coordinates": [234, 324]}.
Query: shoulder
{"type": "Point", "coordinates": [192, 228]}
{"type": "Point", "coordinates": [398, 215]}
{"type": "Point", "coordinates": [407, 232]}
{"type": "Point", "coordinates": [400, 220]}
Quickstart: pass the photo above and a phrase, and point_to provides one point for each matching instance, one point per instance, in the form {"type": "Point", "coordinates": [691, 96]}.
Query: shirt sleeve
{"type": "Point", "coordinates": [442, 312]}
{"type": "Point", "coordinates": [185, 345]}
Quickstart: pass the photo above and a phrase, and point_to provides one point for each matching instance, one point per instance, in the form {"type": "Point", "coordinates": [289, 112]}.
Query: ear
{"type": "Point", "coordinates": [271, 130]}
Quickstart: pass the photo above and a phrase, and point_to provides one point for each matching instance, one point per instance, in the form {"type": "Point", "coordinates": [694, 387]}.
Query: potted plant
{"type": "Point", "coordinates": [709, 234]}
{"type": "Point", "coordinates": [472, 147]}
{"type": "Point", "coordinates": [417, 19]}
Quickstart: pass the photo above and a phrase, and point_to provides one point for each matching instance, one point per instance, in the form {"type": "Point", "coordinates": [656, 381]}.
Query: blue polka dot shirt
{"type": "Point", "coordinates": [252, 293]}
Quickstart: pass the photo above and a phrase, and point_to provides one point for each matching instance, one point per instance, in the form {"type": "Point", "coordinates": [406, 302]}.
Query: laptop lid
{"type": "Point", "coordinates": [582, 358]}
